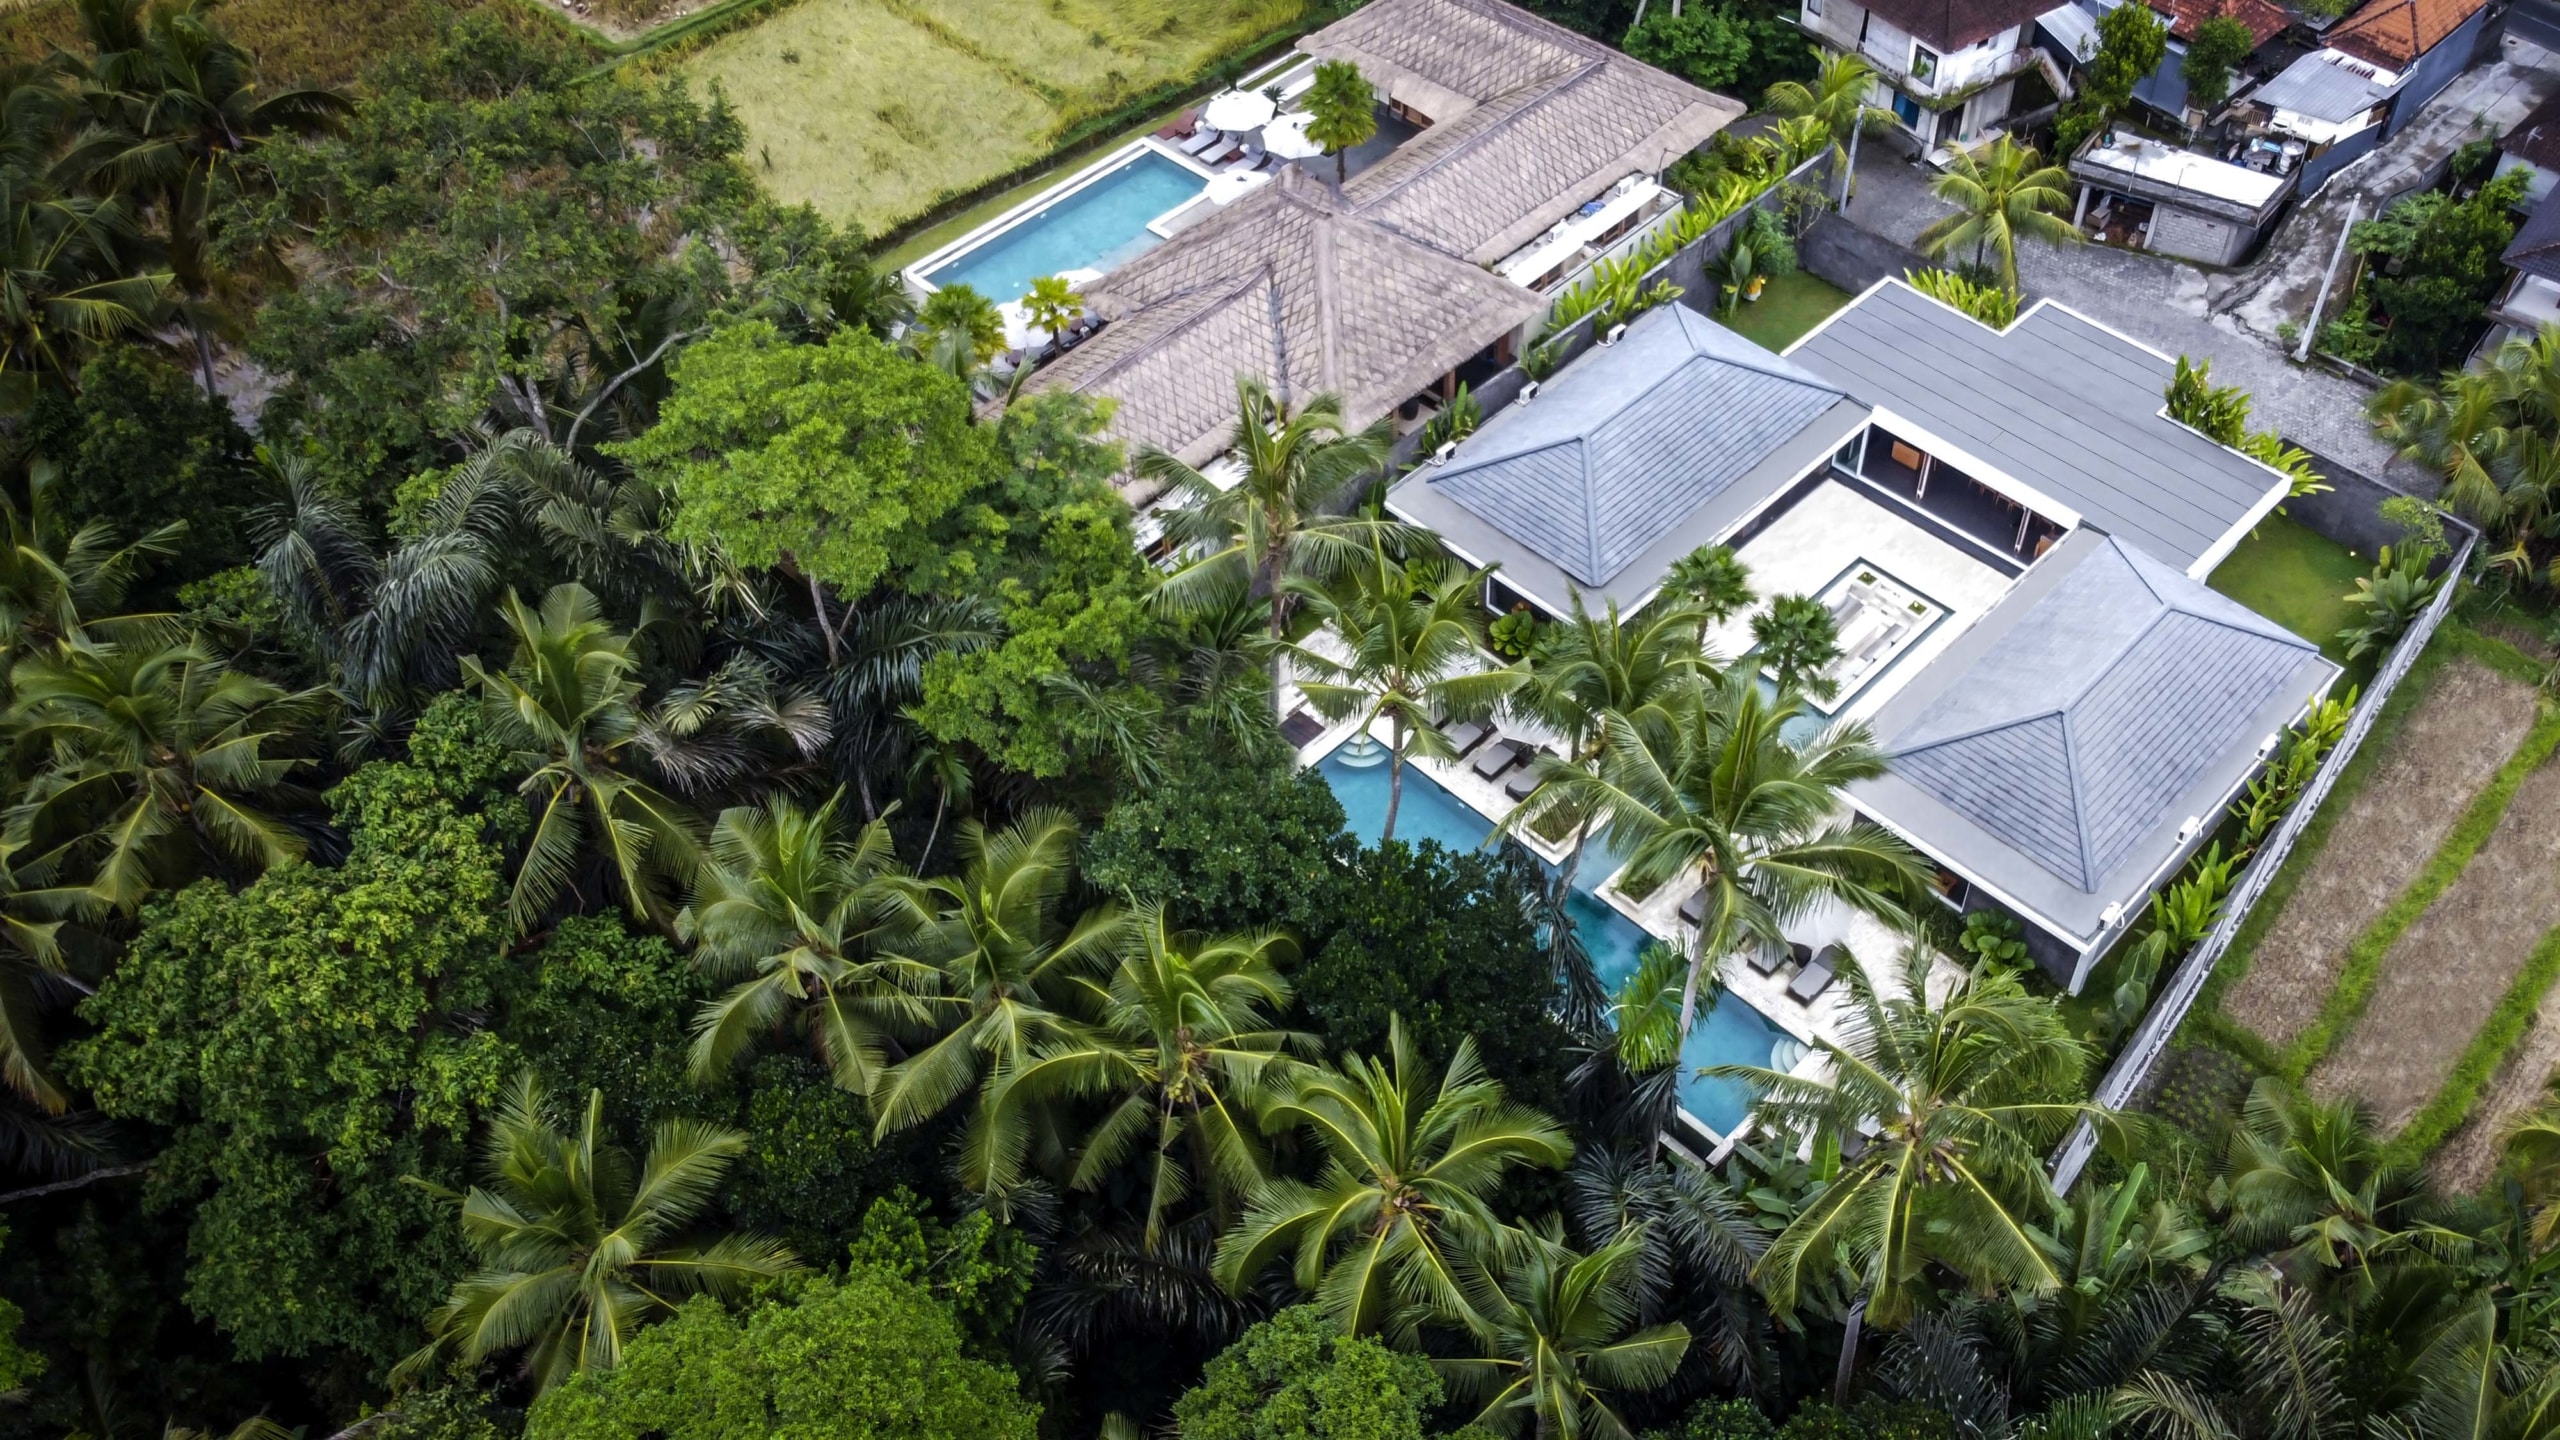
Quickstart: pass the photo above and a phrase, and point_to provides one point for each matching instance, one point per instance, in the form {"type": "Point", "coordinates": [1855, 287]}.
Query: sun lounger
{"type": "Point", "coordinates": [1463, 735]}
{"type": "Point", "coordinates": [1768, 959]}
{"type": "Point", "coordinates": [1497, 757]}
{"type": "Point", "coordinates": [1200, 141]}
{"type": "Point", "coordinates": [1523, 785]}
{"type": "Point", "coordinates": [1300, 729]}
{"type": "Point", "coordinates": [1815, 977]}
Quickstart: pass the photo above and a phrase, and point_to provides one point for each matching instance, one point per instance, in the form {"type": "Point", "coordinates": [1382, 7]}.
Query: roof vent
{"type": "Point", "coordinates": [1447, 449]}
{"type": "Point", "coordinates": [2188, 831]}
{"type": "Point", "coordinates": [1528, 392]}
{"type": "Point", "coordinates": [1614, 332]}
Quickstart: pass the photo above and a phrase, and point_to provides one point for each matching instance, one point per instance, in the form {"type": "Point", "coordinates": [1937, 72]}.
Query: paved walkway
{"type": "Point", "coordinates": [2230, 317]}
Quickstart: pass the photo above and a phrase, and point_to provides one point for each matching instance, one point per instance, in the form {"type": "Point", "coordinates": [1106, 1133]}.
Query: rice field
{"type": "Point", "coordinates": [295, 41]}
{"type": "Point", "coordinates": [876, 110]}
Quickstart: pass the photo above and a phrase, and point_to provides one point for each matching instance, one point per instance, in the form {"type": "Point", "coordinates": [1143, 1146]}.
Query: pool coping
{"type": "Point", "coordinates": [914, 271]}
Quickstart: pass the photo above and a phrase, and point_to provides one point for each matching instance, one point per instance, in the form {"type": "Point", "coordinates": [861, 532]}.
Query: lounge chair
{"type": "Point", "coordinates": [1815, 977]}
{"type": "Point", "coordinates": [1768, 959]}
{"type": "Point", "coordinates": [1497, 757]}
{"type": "Point", "coordinates": [1300, 728]}
{"type": "Point", "coordinates": [1522, 785]}
{"type": "Point", "coordinates": [1463, 736]}
{"type": "Point", "coordinates": [1200, 141]}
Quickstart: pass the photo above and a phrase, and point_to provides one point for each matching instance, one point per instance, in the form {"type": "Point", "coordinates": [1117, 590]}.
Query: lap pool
{"type": "Point", "coordinates": [1733, 1033]}
{"type": "Point", "coordinates": [1099, 222]}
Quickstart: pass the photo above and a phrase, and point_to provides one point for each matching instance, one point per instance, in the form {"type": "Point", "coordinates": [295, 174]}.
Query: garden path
{"type": "Point", "coordinates": [2448, 971]}
{"type": "Point", "coordinates": [2467, 724]}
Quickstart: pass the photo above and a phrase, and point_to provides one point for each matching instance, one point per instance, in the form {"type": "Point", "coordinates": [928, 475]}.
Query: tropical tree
{"type": "Point", "coordinates": [72, 280]}
{"type": "Point", "coordinates": [567, 705]}
{"type": "Point", "coordinates": [957, 331]}
{"type": "Point", "coordinates": [1714, 579]}
{"type": "Point", "coordinates": [2532, 1145]}
{"type": "Point", "coordinates": [2311, 1179]}
{"type": "Point", "coordinates": [796, 913]}
{"type": "Point", "coordinates": [578, 1248]}
{"type": "Point", "coordinates": [1006, 962]}
{"type": "Point", "coordinates": [1716, 792]}
{"type": "Point", "coordinates": [31, 965]}
{"type": "Point", "coordinates": [1052, 305]}
{"type": "Point", "coordinates": [1274, 523]}
{"type": "Point", "coordinates": [2492, 432]}
{"type": "Point", "coordinates": [156, 754]}
{"type": "Point", "coordinates": [1836, 100]}
{"type": "Point", "coordinates": [2001, 196]}
{"type": "Point", "coordinates": [1958, 1094]}
{"type": "Point", "coordinates": [52, 585]}
{"type": "Point", "coordinates": [1411, 635]}
{"type": "Point", "coordinates": [1180, 1049]}
{"type": "Point", "coordinates": [1798, 640]}
{"type": "Point", "coordinates": [1342, 112]}
{"type": "Point", "coordinates": [1409, 1169]}
{"type": "Point", "coordinates": [1558, 1331]}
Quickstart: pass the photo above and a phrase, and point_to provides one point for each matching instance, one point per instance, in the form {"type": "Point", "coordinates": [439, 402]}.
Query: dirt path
{"type": "Point", "coordinates": [2470, 720]}
{"type": "Point", "coordinates": [2453, 966]}
{"type": "Point", "coordinates": [2469, 1156]}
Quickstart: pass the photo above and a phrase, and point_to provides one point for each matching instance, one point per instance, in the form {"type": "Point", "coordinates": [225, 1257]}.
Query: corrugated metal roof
{"type": "Point", "coordinates": [2057, 749]}
{"type": "Point", "coordinates": [2322, 89]}
{"type": "Point", "coordinates": [2057, 402]}
{"type": "Point", "coordinates": [1628, 441]}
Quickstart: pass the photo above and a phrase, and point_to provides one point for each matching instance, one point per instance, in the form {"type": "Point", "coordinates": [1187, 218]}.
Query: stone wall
{"type": "Point", "coordinates": [1851, 258]}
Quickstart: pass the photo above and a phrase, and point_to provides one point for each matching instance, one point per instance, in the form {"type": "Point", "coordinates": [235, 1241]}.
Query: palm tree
{"type": "Point", "coordinates": [2472, 1388]}
{"type": "Point", "coordinates": [1717, 792]}
{"type": "Point", "coordinates": [157, 754]}
{"type": "Point", "coordinates": [958, 331]}
{"type": "Point", "coordinates": [2001, 196]}
{"type": "Point", "coordinates": [51, 585]}
{"type": "Point", "coordinates": [1798, 640]}
{"type": "Point", "coordinates": [1713, 579]}
{"type": "Point", "coordinates": [795, 911]}
{"type": "Point", "coordinates": [1959, 1094]}
{"type": "Point", "coordinates": [1274, 523]}
{"type": "Point", "coordinates": [2532, 1144]}
{"type": "Point", "coordinates": [71, 282]}
{"type": "Point", "coordinates": [31, 964]}
{"type": "Point", "coordinates": [2492, 432]}
{"type": "Point", "coordinates": [577, 1249]}
{"type": "Point", "coordinates": [1181, 1046]}
{"type": "Point", "coordinates": [1408, 1170]}
{"type": "Point", "coordinates": [1052, 305]}
{"type": "Point", "coordinates": [2312, 1177]}
{"type": "Point", "coordinates": [1836, 99]}
{"type": "Point", "coordinates": [1559, 1333]}
{"type": "Point", "coordinates": [1006, 963]}
{"type": "Point", "coordinates": [1413, 636]}
{"type": "Point", "coordinates": [1342, 112]}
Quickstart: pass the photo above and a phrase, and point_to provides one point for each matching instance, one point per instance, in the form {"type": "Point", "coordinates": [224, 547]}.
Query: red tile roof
{"type": "Point", "coordinates": [2263, 17]}
{"type": "Point", "coordinates": [2392, 33]}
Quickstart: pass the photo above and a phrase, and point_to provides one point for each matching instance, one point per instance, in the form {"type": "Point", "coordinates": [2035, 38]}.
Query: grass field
{"type": "Point", "coordinates": [2296, 578]}
{"type": "Point", "coordinates": [1789, 305]}
{"type": "Point", "coordinates": [296, 41]}
{"type": "Point", "coordinates": [876, 110]}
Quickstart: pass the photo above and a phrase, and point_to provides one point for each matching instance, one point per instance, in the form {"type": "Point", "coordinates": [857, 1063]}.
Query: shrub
{"type": "Point", "coordinates": [1296, 1376]}
{"type": "Point", "coordinates": [1229, 842]}
{"type": "Point", "coordinates": [1991, 304]}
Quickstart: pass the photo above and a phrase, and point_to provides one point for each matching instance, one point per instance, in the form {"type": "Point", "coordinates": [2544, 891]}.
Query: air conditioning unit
{"type": "Point", "coordinates": [1614, 332]}
{"type": "Point", "coordinates": [1447, 449]}
{"type": "Point", "coordinates": [2267, 746]}
{"type": "Point", "coordinates": [1528, 393]}
{"type": "Point", "coordinates": [2189, 830]}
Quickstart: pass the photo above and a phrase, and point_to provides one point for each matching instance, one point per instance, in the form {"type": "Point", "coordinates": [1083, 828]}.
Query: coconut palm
{"type": "Point", "coordinates": [72, 280]}
{"type": "Point", "coordinates": [795, 911]}
{"type": "Point", "coordinates": [1411, 640]}
{"type": "Point", "coordinates": [1275, 522]}
{"type": "Point", "coordinates": [2471, 1387]}
{"type": "Point", "coordinates": [157, 755]}
{"type": "Point", "coordinates": [1342, 112]}
{"type": "Point", "coordinates": [1713, 579]}
{"type": "Point", "coordinates": [1006, 962]}
{"type": "Point", "coordinates": [1836, 97]}
{"type": "Point", "coordinates": [1559, 1334]}
{"type": "Point", "coordinates": [958, 331]}
{"type": "Point", "coordinates": [31, 965]}
{"type": "Point", "coordinates": [1716, 792]}
{"type": "Point", "coordinates": [2532, 1145]}
{"type": "Point", "coordinates": [578, 1248]}
{"type": "Point", "coordinates": [1409, 1167]}
{"type": "Point", "coordinates": [568, 707]}
{"type": "Point", "coordinates": [2001, 196]}
{"type": "Point", "coordinates": [2492, 432]}
{"type": "Point", "coordinates": [53, 585]}
{"type": "Point", "coordinates": [2310, 1177]}
{"type": "Point", "coordinates": [1960, 1093]}
{"type": "Point", "coordinates": [1052, 305]}
{"type": "Point", "coordinates": [1180, 1048]}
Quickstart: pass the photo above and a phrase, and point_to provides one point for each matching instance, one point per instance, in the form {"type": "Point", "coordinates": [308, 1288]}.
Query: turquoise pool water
{"type": "Point", "coordinates": [1733, 1033]}
{"type": "Point", "coordinates": [1103, 224]}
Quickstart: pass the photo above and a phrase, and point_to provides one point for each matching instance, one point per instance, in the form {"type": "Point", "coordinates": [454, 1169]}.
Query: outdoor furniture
{"type": "Point", "coordinates": [1523, 784]}
{"type": "Point", "coordinates": [1200, 140]}
{"type": "Point", "coordinates": [1815, 977]}
{"type": "Point", "coordinates": [1905, 456]}
{"type": "Point", "coordinates": [1300, 729]}
{"type": "Point", "coordinates": [1767, 959]}
{"type": "Point", "coordinates": [1463, 736]}
{"type": "Point", "coordinates": [1495, 758]}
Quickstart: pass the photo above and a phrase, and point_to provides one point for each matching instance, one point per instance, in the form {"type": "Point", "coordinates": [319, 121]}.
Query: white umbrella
{"type": "Point", "coordinates": [1287, 138]}
{"type": "Point", "coordinates": [1238, 110]}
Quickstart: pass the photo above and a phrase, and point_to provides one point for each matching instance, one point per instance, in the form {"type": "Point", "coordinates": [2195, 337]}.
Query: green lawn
{"type": "Point", "coordinates": [1788, 306]}
{"type": "Point", "coordinates": [877, 110]}
{"type": "Point", "coordinates": [2296, 578]}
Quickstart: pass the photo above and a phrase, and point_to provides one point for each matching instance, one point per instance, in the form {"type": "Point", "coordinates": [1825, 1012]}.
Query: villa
{"type": "Point", "coordinates": [1526, 152]}
{"type": "Point", "coordinates": [1947, 69]}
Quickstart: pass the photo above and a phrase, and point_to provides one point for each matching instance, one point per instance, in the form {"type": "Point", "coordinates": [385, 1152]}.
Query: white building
{"type": "Point", "coordinates": [1947, 69]}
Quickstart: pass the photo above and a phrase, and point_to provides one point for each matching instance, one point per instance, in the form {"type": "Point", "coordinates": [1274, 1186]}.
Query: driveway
{"type": "Point", "coordinates": [2230, 316]}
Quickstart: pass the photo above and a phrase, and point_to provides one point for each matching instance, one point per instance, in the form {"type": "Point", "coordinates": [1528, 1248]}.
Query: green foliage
{"type": "Point", "coordinates": [1707, 45]}
{"type": "Point", "coordinates": [811, 1169]}
{"type": "Point", "coordinates": [1455, 421]}
{"type": "Point", "coordinates": [2420, 524]}
{"type": "Point", "coordinates": [1798, 640]}
{"type": "Point", "coordinates": [2218, 47]}
{"type": "Point", "coordinates": [869, 1356]}
{"type": "Point", "coordinates": [834, 461]}
{"type": "Point", "coordinates": [1990, 304]}
{"type": "Point", "coordinates": [1514, 633]}
{"type": "Point", "coordinates": [1995, 938]}
{"type": "Point", "coordinates": [959, 317]}
{"type": "Point", "coordinates": [2350, 334]}
{"type": "Point", "coordinates": [2131, 43]}
{"type": "Point", "coordinates": [2392, 598]}
{"type": "Point", "coordinates": [1442, 940]}
{"type": "Point", "coordinates": [1228, 842]}
{"type": "Point", "coordinates": [598, 1007]}
{"type": "Point", "coordinates": [2221, 412]}
{"type": "Point", "coordinates": [1342, 111]}
{"type": "Point", "coordinates": [18, 1364]}
{"type": "Point", "coordinates": [980, 1270]}
{"type": "Point", "coordinates": [1296, 1376]}
{"type": "Point", "coordinates": [1718, 1420]}
{"type": "Point", "coordinates": [1714, 579]}
{"type": "Point", "coordinates": [141, 443]}
{"type": "Point", "coordinates": [300, 1041]}
{"type": "Point", "coordinates": [1867, 1420]}
{"type": "Point", "coordinates": [2447, 269]}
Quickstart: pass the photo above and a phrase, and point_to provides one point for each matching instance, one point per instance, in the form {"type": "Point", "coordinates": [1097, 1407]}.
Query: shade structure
{"type": "Point", "coordinates": [1238, 110]}
{"type": "Point", "coordinates": [1287, 138]}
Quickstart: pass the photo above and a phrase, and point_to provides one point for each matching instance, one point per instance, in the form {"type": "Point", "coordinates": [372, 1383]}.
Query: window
{"type": "Point", "coordinates": [1908, 111]}
{"type": "Point", "coordinates": [1813, 7]}
{"type": "Point", "coordinates": [1924, 64]}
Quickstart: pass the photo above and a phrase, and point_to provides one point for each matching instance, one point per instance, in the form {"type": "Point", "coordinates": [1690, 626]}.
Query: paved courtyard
{"type": "Point", "coordinates": [2230, 316]}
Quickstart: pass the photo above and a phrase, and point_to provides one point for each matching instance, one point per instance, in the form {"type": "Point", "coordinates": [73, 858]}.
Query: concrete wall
{"type": "Point", "coordinates": [2193, 235]}
{"type": "Point", "coordinates": [2435, 70]}
{"type": "Point", "coordinates": [2317, 170]}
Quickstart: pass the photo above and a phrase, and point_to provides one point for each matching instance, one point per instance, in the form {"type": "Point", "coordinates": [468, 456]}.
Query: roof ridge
{"type": "Point", "coordinates": [1978, 731]}
{"type": "Point", "coordinates": [1216, 297]}
{"type": "Point", "coordinates": [1547, 87]}
{"type": "Point", "coordinates": [2079, 812]}
{"type": "Point", "coordinates": [1775, 366]}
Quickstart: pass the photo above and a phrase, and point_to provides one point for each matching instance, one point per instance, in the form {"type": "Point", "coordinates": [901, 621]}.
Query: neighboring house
{"type": "Point", "coordinates": [2010, 533]}
{"type": "Point", "coordinates": [1413, 275]}
{"type": "Point", "coordinates": [2532, 297]}
{"type": "Point", "coordinates": [2155, 196]}
{"type": "Point", "coordinates": [2534, 147]}
{"type": "Point", "coordinates": [2070, 34]}
{"type": "Point", "coordinates": [1947, 69]}
{"type": "Point", "coordinates": [2377, 69]}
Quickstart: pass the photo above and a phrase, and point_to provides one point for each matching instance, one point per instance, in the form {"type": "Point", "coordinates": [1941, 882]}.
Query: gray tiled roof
{"type": "Point", "coordinates": [2057, 402]}
{"type": "Point", "coordinates": [2057, 748]}
{"type": "Point", "coordinates": [2320, 89]}
{"type": "Point", "coordinates": [1624, 444]}
{"type": "Point", "coordinates": [2536, 248]}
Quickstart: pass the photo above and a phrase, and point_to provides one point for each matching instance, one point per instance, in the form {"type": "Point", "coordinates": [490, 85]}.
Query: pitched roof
{"type": "Point", "coordinates": [1626, 445]}
{"type": "Point", "coordinates": [1954, 24]}
{"type": "Point", "coordinates": [2536, 138]}
{"type": "Point", "coordinates": [2263, 17]}
{"type": "Point", "coordinates": [2392, 33]}
{"type": "Point", "coordinates": [2322, 87]}
{"type": "Point", "coordinates": [2056, 750]}
{"type": "Point", "coordinates": [2058, 403]}
{"type": "Point", "coordinates": [2536, 248]}
{"type": "Point", "coordinates": [1288, 286]}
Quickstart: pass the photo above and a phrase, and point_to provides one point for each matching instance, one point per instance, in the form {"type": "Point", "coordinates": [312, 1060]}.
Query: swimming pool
{"type": "Point", "coordinates": [1101, 223]}
{"type": "Point", "coordinates": [1733, 1033]}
